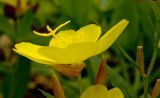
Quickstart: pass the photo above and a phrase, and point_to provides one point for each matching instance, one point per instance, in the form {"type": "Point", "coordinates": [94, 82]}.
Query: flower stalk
{"type": "Point", "coordinates": [156, 18]}
{"type": "Point", "coordinates": [80, 84]}
{"type": "Point", "coordinates": [57, 87]}
{"type": "Point", "coordinates": [151, 66]}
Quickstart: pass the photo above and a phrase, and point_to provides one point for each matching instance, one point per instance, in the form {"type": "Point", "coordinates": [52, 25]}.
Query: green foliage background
{"type": "Point", "coordinates": [143, 15]}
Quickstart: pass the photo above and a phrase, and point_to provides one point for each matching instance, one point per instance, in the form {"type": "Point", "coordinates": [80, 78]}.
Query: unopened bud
{"type": "Point", "coordinates": [101, 74]}
{"type": "Point", "coordinates": [140, 59]}
{"type": "Point", "coordinates": [156, 89]}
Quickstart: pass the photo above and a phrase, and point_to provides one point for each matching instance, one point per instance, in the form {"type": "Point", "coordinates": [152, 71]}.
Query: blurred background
{"type": "Point", "coordinates": [23, 78]}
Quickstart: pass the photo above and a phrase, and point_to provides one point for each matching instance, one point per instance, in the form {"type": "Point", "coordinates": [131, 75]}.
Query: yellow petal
{"type": "Point", "coordinates": [110, 37]}
{"type": "Point", "coordinates": [31, 51]}
{"type": "Point", "coordinates": [96, 91]}
{"type": "Point", "coordinates": [62, 39]}
{"type": "Point", "coordinates": [115, 93]}
{"type": "Point", "coordinates": [88, 33]}
{"type": "Point", "coordinates": [72, 54]}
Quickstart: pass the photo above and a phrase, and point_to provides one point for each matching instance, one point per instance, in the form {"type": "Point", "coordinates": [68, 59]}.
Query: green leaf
{"type": "Point", "coordinates": [44, 13]}
{"type": "Point", "coordinates": [127, 9]}
{"type": "Point", "coordinates": [46, 94]}
{"type": "Point", "coordinates": [6, 27]}
{"type": "Point", "coordinates": [1, 8]}
{"type": "Point", "coordinates": [40, 68]}
{"type": "Point", "coordinates": [92, 66]}
{"type": "Point", "coordinates": [15, 82]}
{"type": "Point", "coordinates": [24, 27]}
{"type": "Point", "coordinates": [74, 9]}
{"type": "Point", "coordinates": [159, 44]}
{"type": "Point", "coordinates": [3, 69]}
{"type": "Point", "coordinates": [118, 81]}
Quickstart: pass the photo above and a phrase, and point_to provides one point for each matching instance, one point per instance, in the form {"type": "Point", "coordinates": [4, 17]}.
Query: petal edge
{"type": "Point", "coordinates": [110, 36]}
{"type": "Point", "coordinates": [30, 51]}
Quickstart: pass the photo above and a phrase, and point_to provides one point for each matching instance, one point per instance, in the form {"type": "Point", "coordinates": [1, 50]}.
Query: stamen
{"type": "Point", "coordinates": [51, 32]}
{"type": "Point", "coordinates": [56, 29]}
{"type": "Point", "coordinates": [41, 34]}
{"type": "Point", "coordinates": [49, 29]}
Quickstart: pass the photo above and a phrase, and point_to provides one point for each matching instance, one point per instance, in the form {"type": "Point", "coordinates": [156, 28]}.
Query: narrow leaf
{"type": "Point", "coordinates": [118, 81]}
{"type": "Point", "coordinates": [24, 26]}
{"type": "Point", "coordinates": [15, 82]}
{"type": "Point", "coordinates": [6, 27]}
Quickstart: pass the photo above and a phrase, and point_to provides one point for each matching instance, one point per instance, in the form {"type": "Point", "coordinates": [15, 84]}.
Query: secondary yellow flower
{"type": "Point", "coordinates": [69, 46]}
{"type": "Point", "coordinates": [100, 91]}
{"type": "Point", "coordinates": [23, 4]}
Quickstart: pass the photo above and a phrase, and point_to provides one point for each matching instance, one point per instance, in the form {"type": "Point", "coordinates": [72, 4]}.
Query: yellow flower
{"type": "Point", "coordinates": [21, 4]}
{"type": "Point", "coordinates": [69, 46]}
{"type": "Point", "coordinates": [100, 91]}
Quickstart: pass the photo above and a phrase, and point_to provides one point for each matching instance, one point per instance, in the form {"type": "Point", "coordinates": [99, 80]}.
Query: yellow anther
{"type": "Point", "coordinates": [51, 32]}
